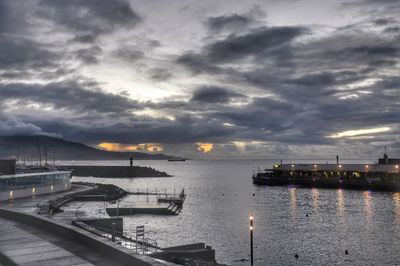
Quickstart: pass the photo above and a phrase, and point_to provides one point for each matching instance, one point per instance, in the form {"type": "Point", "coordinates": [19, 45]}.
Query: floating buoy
{"type": "Point", "coordinates": [306, 215]}
{"type": "Point", "coordinates": [346, 252]}
{"type": "Point", "coordinates": [254, 194]}
{"type": "Point", "coordinates": [296, 256]}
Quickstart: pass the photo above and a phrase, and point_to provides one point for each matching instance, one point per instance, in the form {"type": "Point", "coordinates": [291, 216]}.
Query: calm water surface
{"type": "Point", "coordinates": [317, 224]}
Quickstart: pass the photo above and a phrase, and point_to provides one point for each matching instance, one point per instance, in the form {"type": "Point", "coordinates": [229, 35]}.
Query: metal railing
{"type": "Point", "coordinates": [118, 237]}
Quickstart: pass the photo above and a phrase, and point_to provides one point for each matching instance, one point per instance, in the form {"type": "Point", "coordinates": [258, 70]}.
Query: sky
{"type": "Point", "coordinates": [205, 79]}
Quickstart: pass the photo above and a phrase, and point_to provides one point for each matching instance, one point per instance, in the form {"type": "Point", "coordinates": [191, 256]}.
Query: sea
{"type": "Point", "coordinates": [317, 225]}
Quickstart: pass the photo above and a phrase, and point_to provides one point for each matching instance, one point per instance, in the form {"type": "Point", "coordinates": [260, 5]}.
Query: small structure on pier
{"type": "Point", "coordinates": [176, 200]}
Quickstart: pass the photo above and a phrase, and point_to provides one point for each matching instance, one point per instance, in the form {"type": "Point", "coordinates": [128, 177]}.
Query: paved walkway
{"type": "Point", "coordinates": [25, 248]}
{"type": "Point", "coordinates": [29, 245]}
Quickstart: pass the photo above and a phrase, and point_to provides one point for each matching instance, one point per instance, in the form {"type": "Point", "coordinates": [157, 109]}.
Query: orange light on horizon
{"type": "Point", "coordinates": [150, 147]}
{"type": "Point", "coordinates": [204, 147]}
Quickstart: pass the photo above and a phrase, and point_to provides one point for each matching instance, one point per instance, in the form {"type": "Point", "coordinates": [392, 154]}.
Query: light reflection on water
{"type": "Point", "coordinates": [292, 191]}
{"type": "Point", "coordinates": [315, 198]}
{"type": "Point", "coordinates": [317, 224]}
{"type": "Point", "coordinates": [396, 201]}
{"type": "Point", "coordinates": [367, 204]}
{"type": "Point", "coordinates": [340, 203]}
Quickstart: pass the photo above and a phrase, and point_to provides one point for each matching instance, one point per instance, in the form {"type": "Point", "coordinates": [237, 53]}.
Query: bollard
{"type": "Point", "coordinates": [113, 233]}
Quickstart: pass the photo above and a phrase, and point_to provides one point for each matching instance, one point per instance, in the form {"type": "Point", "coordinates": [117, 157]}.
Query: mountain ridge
{"type": "Point", "coordinates": [35, 146]}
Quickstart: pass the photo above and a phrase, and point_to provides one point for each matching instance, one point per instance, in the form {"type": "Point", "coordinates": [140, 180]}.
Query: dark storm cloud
{"type": "Point", "coordinates": [383, 21]}
{"type": "Point", "coordinates": [185, 129]}
{"type": "Point", "coordinates": [321, 79]}
{"type": "Point", "coordinates": [262, 42]}
{"type": "Point", "coordinates": [71, 96]}
{"type": "Point", "coordinates": [198, 64]}
{"type": "Point", "coordinates": [20, 53]}
{"type": "Point", "coordinates": [85, 38]}
{"type": "Point", "coordinates": [89, 55]}
{"type": "Point", "coordinates": [394, 30]}
{"type": "Point", "coordinates": [159, 74]}
{"type": "Point", "coordinates": [213, 94]}
{"type": "Point", "coordinates": [10, 17]}
{"type": "Point", "coordinates": [227, 23]}
{"type": "Point", "coordinates": [90, 17]}
{"type": "Point", "coordinates": [129, 53]}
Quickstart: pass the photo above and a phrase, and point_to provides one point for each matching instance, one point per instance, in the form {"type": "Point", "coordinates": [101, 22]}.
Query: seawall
{"type": "Point", "coordinates": [115, 171]}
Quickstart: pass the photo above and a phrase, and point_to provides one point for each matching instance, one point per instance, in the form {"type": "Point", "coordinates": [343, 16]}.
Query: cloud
{"type": "Point", "coordinates": [71, 96]}
{"type": "Point", "coordinates": [81, 68]}
{"type": "Point", "coordinates": [12, 126]}
{"type": "Point", "coordinates": [20, 53]}
{"type": "Point", "coordinates": [89, 55]}
{"type": "Point", "coordinates": [262, 42]}
{"type": "Point", "coordinates": [159, 74]}
{"type": "Point", "coordinates": [265, 45]}
{"type": "Point", "coordinates": [94, 17]}
{"type": "Point", "coordinates": [213, 94]}
{"type": "Point", "coordinates": [229, 23]}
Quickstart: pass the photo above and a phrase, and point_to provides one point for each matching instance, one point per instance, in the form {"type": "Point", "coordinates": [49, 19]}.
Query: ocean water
{"type": "Point", "coordinates": [317, 224]}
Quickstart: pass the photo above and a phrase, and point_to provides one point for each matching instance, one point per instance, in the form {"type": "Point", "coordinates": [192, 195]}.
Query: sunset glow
{"type": "Point", "coordinates": [149, 147]}
{"type": "Point", "coordinates": [204, 147]}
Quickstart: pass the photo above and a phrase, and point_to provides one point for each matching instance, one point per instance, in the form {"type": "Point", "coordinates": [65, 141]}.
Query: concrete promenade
{"type": "Point", "coordinates": [27, 238]}
{"type": "Point", "coordinates": [23, 246]}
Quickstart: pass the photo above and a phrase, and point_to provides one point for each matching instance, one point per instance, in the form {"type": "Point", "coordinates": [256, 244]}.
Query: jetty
{"type": "Point", "coordinates": [171, 209]}
{"type": "Point", "coordinates": [114, 171]}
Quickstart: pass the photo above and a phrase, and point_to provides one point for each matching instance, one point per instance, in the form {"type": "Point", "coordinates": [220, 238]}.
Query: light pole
{"type": "Point", "coordinates": [251, 238]}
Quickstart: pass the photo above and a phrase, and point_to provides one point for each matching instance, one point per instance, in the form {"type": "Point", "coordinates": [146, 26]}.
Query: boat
{"type": "Point", "coordinates": [384, 175]}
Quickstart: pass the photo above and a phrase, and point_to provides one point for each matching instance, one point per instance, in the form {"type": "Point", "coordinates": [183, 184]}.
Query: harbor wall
{"type": "Point", "coordinates": [114, 171]}
{"type": "Point", "coordinates": [33, 191]}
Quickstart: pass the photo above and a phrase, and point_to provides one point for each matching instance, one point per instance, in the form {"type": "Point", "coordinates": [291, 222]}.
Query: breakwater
{"type": "Point", "coordinates": [115, 171]}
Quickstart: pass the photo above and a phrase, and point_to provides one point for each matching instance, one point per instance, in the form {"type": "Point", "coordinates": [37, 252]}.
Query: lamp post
{"type": "Point", "coordinates": [251, 238]}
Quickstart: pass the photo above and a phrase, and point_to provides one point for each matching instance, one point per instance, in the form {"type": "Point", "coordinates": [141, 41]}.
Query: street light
{"type": "Point", "coordinates": [251, 238]}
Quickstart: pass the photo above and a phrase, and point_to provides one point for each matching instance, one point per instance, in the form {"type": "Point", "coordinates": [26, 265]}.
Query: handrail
{"type": "Point", "coordinates": [120, 237]}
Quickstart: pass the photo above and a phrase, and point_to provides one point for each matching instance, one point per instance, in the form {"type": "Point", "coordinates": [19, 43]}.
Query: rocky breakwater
{"type": "Point", "coordinates": [115, 171]}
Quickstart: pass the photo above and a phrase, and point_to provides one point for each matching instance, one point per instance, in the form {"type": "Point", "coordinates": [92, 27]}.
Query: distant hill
{"type": "Point", "coordinates": [29, 147]}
